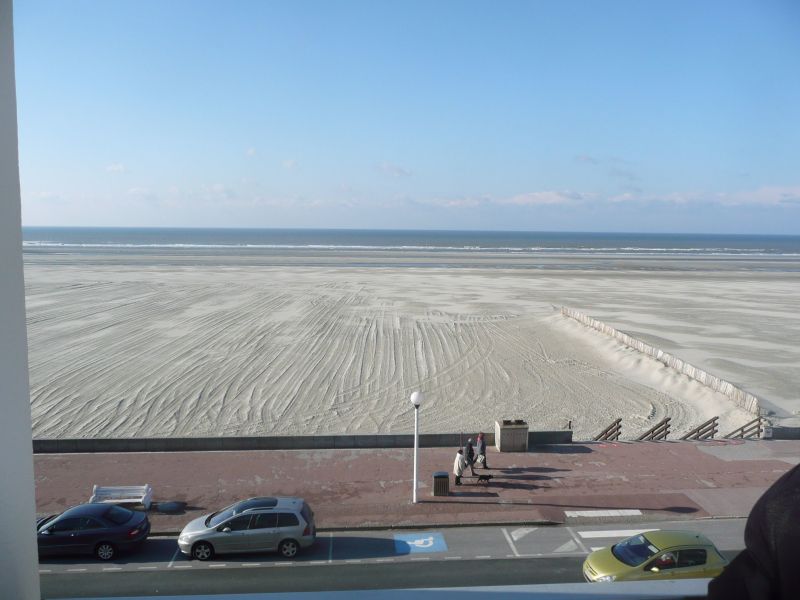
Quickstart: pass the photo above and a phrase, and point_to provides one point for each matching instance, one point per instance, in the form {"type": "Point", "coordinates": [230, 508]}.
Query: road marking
{"type": "Point", "coordinates": [596, 548]}
{"type": "Point", "coordinates": [624, 512]}
{"type": "Point", "coordinates": [422, 558]}
{"type": "Point", "coordinates": [385, 559]}
{"type": "Point", "coordinates": [217, 565]}
{"type": "Point", "coordinates": [569, 546]}
{"type": "Point", "coordinates": [521, 532]}
{"type": "Point", "coordinates": [356, 560]}
{"type": "Point", "coordinates": [452, 558]}
{"type": "Point", "coordinates": [174, 556]}
{"type": "Point", "coordinates": [251, 564]}
{"type": "Point", "coordinates": [182, 567]}
{"type": "Point", "coordinates": [76, 570]}
{"type": "Point", "coordinates": [577, 540]}
{"type": "Point", "coordinates": [284, 564]}
{"type": "Point", "coordinates": [613, 533]}
{"type": "Point", "coordinates": [330, 547]}
{"type": "Point", "coordinates": [318, 562]}
{"type": "Point", "coordinates": [484, 556]}
{"type": "Point", "coordinates": [112, 568]}
{"type": "Point", "coordinates": [510, 542]}
{"type": "Point", "coordinates": [146, 568]}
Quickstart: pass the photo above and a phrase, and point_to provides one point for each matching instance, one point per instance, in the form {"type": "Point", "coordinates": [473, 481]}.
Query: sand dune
{"type": "Point", "coordinates": [200, 350]}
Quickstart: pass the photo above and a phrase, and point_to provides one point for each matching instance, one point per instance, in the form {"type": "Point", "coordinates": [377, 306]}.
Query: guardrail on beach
{"type": "Point", "coordinates": [741, 398]}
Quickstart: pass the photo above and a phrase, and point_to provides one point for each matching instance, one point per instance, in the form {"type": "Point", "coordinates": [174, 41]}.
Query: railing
{"type": "Point", "coordinates": [753, 429]}
{"type": "Point", "coordinates": [657, 432]}
{"type": "Point", "coordinates": [612, 432]}
{"type": "Point", "coordinates": [705, 431]}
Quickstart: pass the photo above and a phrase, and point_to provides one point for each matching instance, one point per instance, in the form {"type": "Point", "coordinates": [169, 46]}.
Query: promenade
{"type": "Point", "coordinates": [371, 488]}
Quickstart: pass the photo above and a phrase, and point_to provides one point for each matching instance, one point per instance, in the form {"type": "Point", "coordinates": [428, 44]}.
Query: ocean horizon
{"type": "Point", "coordinates": [122, 239]}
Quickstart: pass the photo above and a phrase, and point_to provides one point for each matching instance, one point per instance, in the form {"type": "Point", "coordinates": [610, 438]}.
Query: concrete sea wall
{"type": "Point", "coordinates": [740, 397]}
{"type": "Point", "coordinates": [277, 442]}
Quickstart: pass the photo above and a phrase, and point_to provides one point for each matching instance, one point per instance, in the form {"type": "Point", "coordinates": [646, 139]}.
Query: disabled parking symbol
{"type": "Point", "coordinates": [421, 541]}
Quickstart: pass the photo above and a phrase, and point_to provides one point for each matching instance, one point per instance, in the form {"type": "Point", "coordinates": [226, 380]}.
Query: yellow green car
{"type": "Point", "coordinates": [656, 555]}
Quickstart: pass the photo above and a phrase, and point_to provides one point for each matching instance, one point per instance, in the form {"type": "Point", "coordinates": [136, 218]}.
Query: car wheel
{"type": "Point", "coordinates": [288, 548]}
{"type": "Point", "coordinates": [105, 551]}
{"type": "Point", "coordinates": [202, 551]}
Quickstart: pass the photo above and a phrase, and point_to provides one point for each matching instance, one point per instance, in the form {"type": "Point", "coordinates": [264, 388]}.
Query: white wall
{"type": "Point", "coordinates": [19, 569]}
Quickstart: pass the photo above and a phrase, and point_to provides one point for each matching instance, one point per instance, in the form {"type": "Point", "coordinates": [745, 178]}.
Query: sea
{"type": "Point", "coordinates": [442, 248]}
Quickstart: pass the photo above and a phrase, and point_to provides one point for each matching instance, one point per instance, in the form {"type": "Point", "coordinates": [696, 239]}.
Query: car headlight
{"type": "Point", "coordinates": [606, 578]}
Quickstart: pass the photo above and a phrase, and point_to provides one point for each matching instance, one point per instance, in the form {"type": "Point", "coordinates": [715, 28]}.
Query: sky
{"type": "Point", "coordinates": [596, 115]}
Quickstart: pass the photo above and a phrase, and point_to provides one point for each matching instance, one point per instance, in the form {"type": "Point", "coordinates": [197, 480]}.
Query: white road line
{"type": "Point", "coordinates": [485, 556]}
{"type": "Point", "coordinates": [421, 558]}
{"type": "Point", "coordinates": [182, 567]}
{"type": "Point", "coordinates": [146, 568]}
{"type": "Point", "coordinates": [510, 542]}
{"type": "Point", "coordinates": [577, 540]}
{"type": "Point", "coordinates": [613, 533]}
{"type": "Point", "coordinates": [76, 570]}
{"type": "Point", "coordinates": [330, 547]}
{"type": "Point", "coordinates": [521, 532]}
{"type": "Point", "coordinates": [317, 562]}
{"type": "Point", "coordinates": [112, 568]}
{"type": "Point", "coordinates": [452, 558]}
{"type": "Point", "coordinates": [284, 564]}
{"type": "Point", "coordinates": [217, 566]}
{"type": "Point", "coordinates": [174, 556]}
{"type": "Point", "coordinates": [356, 560]}
{"type": "Point", "coordinates": [385, 560]}
{"type": "Point", "coordinates": [623, 512]}
{"type": "Point", "coordinates": [251, 564]}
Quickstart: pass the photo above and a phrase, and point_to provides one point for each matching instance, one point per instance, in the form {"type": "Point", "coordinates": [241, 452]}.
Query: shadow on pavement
{"type": "Point", "coordinates": [152, 550]}
{"type": "Point", "coordinates": [560, 449]}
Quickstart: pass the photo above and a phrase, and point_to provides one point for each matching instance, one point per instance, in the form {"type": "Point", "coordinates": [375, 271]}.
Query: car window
{"type": "Point", "coordinates": [307, 513]}
{"type": "Point", "coordinates": [118, 515]}
{"type": "Point", "coordinates": [238, 523]}
{"type": "Point", "coordinates": [219, 517]}
{"type": "Point", "coordinates": [64, 525]}
{"type": "Point", "coordinates": [634, 551]}
{"type": "Point", "coordinates": [691, 557]}
{"type": "Point", "coordinates": [664, 562]}
{"type": "Point", "coordinates": [90, 523]}
{"type": "Point", "coordinates": [265, 521]}
{"type": "Point", "coordinates": [287, 520]}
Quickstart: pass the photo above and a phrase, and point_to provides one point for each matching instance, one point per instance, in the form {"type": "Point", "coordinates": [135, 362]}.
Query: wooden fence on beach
{"type": "Point", "coordinates": [741, 398]}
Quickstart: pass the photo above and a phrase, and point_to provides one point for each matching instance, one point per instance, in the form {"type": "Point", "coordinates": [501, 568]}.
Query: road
{"type": "Point", "coordinates": [367, 560]}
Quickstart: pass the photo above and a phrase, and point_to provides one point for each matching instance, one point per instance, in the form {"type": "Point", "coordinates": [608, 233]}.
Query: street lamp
{"type": "Point", "coordinates": [416, 400]}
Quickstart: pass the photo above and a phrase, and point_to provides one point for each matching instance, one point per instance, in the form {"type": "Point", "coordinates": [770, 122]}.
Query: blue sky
{"type": "Point", "coordinates": [581, 116]}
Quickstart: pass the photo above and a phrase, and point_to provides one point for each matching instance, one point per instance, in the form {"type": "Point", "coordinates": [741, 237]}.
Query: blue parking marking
{"type": "Point", "coordinates": [420, 541]}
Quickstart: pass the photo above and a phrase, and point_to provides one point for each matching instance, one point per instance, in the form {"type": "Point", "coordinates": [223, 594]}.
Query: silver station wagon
{"type": "Point", "coordinates": [253, 525]}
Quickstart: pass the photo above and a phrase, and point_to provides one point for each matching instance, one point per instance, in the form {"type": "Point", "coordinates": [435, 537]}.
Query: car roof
{"type": "Point", "coordinates": [666, 538]}
{"type": "Point", "coordinates": [86, 510]}
{"type": "Point", "coordinates": [266, 502]}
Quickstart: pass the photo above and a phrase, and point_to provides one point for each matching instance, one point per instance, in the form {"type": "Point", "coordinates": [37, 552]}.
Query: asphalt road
{"type": "Point", "coordinates": [353, 560]}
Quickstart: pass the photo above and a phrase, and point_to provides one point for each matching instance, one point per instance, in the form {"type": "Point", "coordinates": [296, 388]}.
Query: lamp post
{"type": "Point", "coordinates": [416, 400]}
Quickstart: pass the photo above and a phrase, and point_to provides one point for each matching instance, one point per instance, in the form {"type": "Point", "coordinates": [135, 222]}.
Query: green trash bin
{"type": "Point", "coordinates": [441, 483]}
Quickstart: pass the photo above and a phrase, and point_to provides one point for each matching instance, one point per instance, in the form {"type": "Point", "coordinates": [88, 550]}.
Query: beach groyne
{"type": "Point", "coordinates": [278, 442]}
{"type": "Point", "coordinates": [740, 397]}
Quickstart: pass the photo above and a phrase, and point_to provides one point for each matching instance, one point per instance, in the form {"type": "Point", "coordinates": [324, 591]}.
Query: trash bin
{"type": "Point", "coordinates": [441, 483]}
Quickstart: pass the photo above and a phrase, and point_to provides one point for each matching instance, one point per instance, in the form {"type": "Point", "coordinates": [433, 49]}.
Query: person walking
{"type": "Point", "coordinates": [481, 450]}
{"type": "Point", "coordinates": [469, 456]}
{"type": "Point", "coordinates": [458, 466]}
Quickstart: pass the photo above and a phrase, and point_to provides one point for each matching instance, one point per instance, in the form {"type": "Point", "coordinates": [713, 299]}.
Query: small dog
{"type": "Point", "coordinates": [487, 479]}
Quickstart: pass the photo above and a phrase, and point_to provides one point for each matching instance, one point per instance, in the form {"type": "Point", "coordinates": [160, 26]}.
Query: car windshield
{"type": "Point", "coordinates": [45, 522]}
{"type": "Point", "coordinates": [118, 515]}
{"type": "Point", "coordinates": [634, 551]}
{"type": "Point", "coordinates": [219, 517]}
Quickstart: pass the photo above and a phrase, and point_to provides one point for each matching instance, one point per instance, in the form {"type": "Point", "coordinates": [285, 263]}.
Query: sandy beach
{"type": "Point", "coordinates": [166, 346]}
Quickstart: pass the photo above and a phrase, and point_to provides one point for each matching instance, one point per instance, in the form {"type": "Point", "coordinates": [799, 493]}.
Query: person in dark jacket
{"type": "Point", "coordinates": [469, 456]}
{"type": "Point", "coordinates": [767, 568]}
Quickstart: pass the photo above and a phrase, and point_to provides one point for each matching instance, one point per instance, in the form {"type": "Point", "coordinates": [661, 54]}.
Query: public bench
{"type": "Point", "coordinates": [123, 494]}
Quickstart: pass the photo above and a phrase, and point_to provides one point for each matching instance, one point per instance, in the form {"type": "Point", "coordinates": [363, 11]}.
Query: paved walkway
{"type": "Point", "coordinates": [372, 488]}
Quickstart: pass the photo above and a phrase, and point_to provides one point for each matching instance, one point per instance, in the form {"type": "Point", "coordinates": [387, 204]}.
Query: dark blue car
{"type": "Point", "coordinates": [99, 529]}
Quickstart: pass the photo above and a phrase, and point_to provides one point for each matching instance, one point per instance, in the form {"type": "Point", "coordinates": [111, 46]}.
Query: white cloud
{"type": "Point", "coordinates": [763, 196]}
{"type": "Point", "coordinates": [394, 170]}
{"type": "Point", "coordinates": [116, 168]}
{"type": "Point", "coordinates": [546, 198]}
